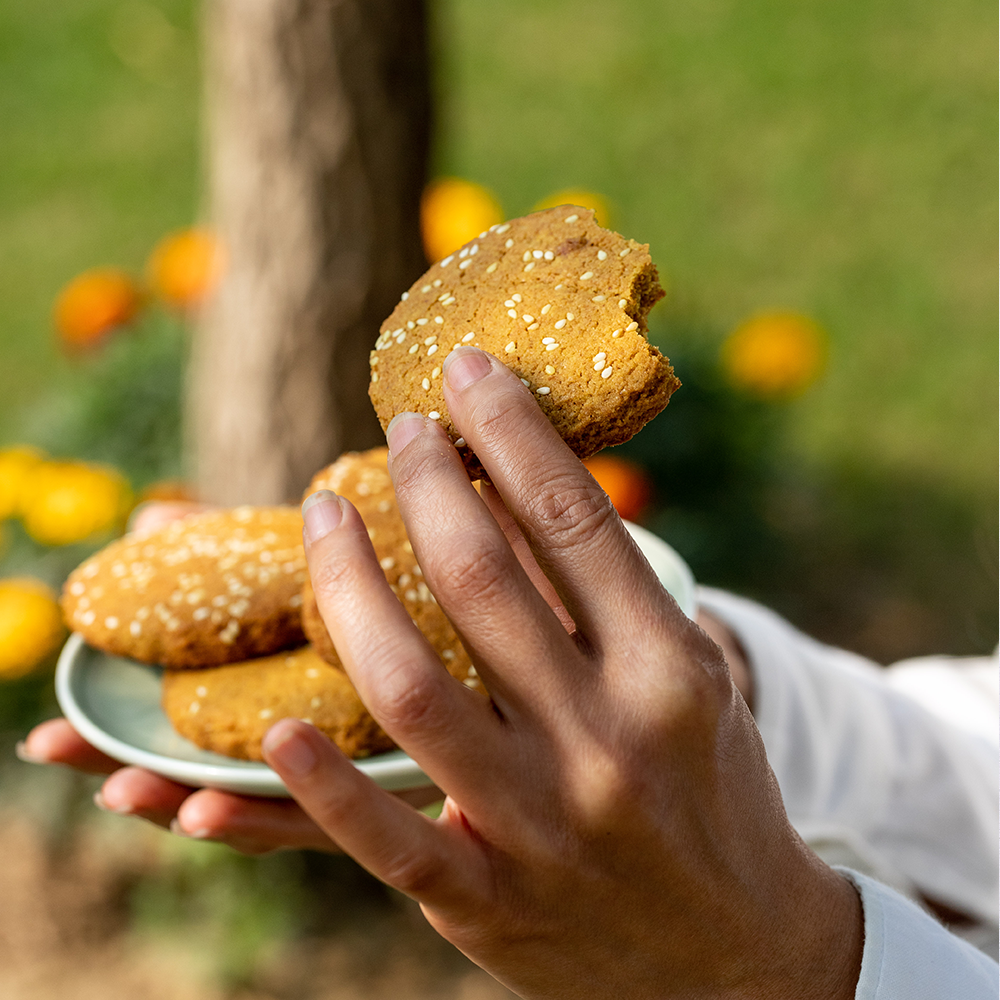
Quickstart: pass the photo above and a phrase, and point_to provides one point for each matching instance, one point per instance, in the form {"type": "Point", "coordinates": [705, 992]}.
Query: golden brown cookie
{"type": "Point", "coordinates": [211, 588]}
{"type": "Point", "coordinates": [229, 708]}
{"type": "Point", "coordinates": [362, 477]}
{"type": "Point", "coordinates": [560, 301]}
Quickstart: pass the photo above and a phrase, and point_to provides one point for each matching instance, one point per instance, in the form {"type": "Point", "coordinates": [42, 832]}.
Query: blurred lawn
{"type": "Point", "coordinates": [836, 159]}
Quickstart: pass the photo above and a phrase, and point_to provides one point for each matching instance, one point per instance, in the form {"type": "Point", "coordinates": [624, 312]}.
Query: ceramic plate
{"type": "Point", "coordinates": [114, 703]}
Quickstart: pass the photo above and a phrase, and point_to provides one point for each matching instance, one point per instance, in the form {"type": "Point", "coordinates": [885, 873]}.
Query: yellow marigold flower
{"type": "Point", "coordinates": [93, 304]}
{"type": "Point", "coordinates": [583, 198]}
{"type": "Point", "coordinates": [775, 355]}
{"type": "Point", "coordinates": [452, 212]}
{"type": "Point", "coordinates": [185, 266]}
{"type": "Point", "coordinates": [31, 626]}
{"type": "Point", "coordinates": [72, 501]}
{"type": "Point", "coordinates": [16, 467]}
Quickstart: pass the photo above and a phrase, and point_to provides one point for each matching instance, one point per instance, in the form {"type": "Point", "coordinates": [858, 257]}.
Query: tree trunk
{"type": "Point", "coordinates": [318, 136]}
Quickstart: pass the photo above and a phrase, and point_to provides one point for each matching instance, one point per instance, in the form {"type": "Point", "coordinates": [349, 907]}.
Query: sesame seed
{"type": "Point", "coordinates": [548, 340]}
{"type": "Point", "coordinates": [632, 326]}
{"type": "Point", "coordinates": [77, 588]}
{"type": "Point", "coordinates": [265, 713]}
{"type": "Point", "coordinates": [601, 255]}
{"type": "Point", "coordinates": [572, 218]}
{"type": "Point", "coordinates": [624, 253]}
{"type": "Point", "coordinates": [459, 442]}
{"type": "Point", "coordinates": [475, 246]}
{"type": "Point", "coordinates": [312, 672]}
{"type": "Point", "coordinates": [606, 373]}
{"type": "Point", "coordinates": [425, 289]}
{"type": "Point", "coordinates": [512, 313]}
{"type": "Point", "coordinates": [549, 255]}
{"type": "Point", "coordinates": [600, 356]}
{"type": "Point", "coordinates": [439, 319]}
{"type": "Point", "coordinates": [516, 296]}
{"type": "Point", "coordinates": [199, 614]}
{"type": "Point", "coordinates": [546, 308]}
{"type": "Point", "coordinates": [201, 691]}
{"type": "Point", "coordinates": [426, 383]}
{"type": "Point", "coordinates": [194, 707]}
{"type": "Point", "coordinates": [511, 347]}
{"type": "Point", "coordinates": [315, 702]}
{"type": "Point", "coordinates": [434, 415]}
{"type": "Point", "coordinates": [469, 336]}
{"type": "Point", "coordinates": [88, 617]}
{"type": "Point", "coordinates": [437, 282]}
{"type": "Point", "coordinates": [622, 303]}
{"type": "Point", "coordinates": [404, 296]}
{"type": "Point", "coordinates": [543, 390]}
{"type": "Point", "coordinates": [509, 244]}
{"type": "Point", "coordinates": [430, 340]}
{"type": "Point", "coordinates": [111, 622]}
{"type": "Point", "coordinates": [448, 301]}
{"type": "Point", "coordinates": [617, 333]}
{"type": "Point", "coordinates": [537, 254]}
{"type": "Point", "coordinates": [586, 276]}
{"type": "Point", "coordinates": [598, 298]}
{"type": "Point", "coordinates": [135, 628]}
{"type": "Point", "coordinates": [432, 350]}
{"type": "Point", "coordinates": [448, 654]}
{"type": "Point", "coordinates": [528, 267]}
{"type": "Point", "coordinates": [447, 260]}
{"type": "Point", "coordinates": [528, 319]}
{"type": "Point", "coordinates": [491, 268]}
{"type": "Point", "coordinates": [423, 321]}
{"type": "Point", "coordinates": [465, 264]}
{"type": "Point", "coordinates": [502, 229]}
{"type": "Point", "coordinates": [464, 252]}
{"type": "Point", "coordinates": [526, 255]}
{"type": "Point", "coordinates": [387, 563]}
{"type": "Point", "coordinates": [549, 370]}
{"type": "Point", "coordinates": [534, 326]}
{"type": "Point", "coordinates": [570, 316]}
{"type": "Point", "coordinates": [526, 382]}
{"type": "Point", "coordinates": [558, 287]}
{"type": "Point", "coordinates": [414, 349]}
{"type": "Point", "coordinates": [551, 347]}
{"type": "Point", "coordinates": [509, 303]}
{"type": "Point", "coordinates": [560, 324]}
{"type": "Point", "coordinates": [436, 372]}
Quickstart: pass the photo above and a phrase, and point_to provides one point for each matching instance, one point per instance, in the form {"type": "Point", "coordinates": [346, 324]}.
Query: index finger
{"type": "Point", "coordinates": [573, 530]}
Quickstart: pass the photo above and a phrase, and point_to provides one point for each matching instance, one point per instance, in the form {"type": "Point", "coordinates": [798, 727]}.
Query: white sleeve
{"type": "Point", "coordinates": [904, 793]}
{"type": "Point", "coordinates": [909, 956]}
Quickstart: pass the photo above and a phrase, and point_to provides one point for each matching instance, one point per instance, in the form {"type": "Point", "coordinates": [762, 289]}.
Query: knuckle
{"type": "Point", "coordinates": [331, 577]}
{"type": "Point", "coordinates": [572, 511]}
{"type": "Point", "coordinates": [411, 873]}
{"type": "Point", "coordinates": [475, 568]}
{"type": "Point", "coordinates": [408, 698]}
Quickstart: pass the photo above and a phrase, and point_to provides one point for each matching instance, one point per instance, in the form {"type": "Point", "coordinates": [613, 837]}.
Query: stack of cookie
{"type": "Point", "coordinates": [222, 599]}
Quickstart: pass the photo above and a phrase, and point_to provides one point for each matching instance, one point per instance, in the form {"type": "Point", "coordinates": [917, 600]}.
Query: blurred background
{"type": "Point", "coordinates": [817, 187]}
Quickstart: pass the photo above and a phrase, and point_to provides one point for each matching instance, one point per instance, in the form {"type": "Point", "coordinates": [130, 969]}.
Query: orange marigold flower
{"type": "Point", "coordinates": [774, 355]}
{"type": "Point", "coordinates": [72, 501]}
{"type": "Point", "coordinates": [452, 212]}
{"type": "Point", "coordinates": [185, 266]}
{"type": "Point", "coordinates": [583, 198]}
{"type": "Point", "coordinates": [16, 466]}
{"type": "Point", "coordinates": [31, 626]}
{"type": "Point", "coordinates": [95, 303]}
{"type": "Point", "coordinates": [627, 485]}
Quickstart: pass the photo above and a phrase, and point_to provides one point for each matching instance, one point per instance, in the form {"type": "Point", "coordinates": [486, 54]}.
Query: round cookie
{"type": "Point", "coordinates": [560, 301]}
{"type": "Point", "coordinates": [363, 478]}
{"type": "Point", "coordinates": [210, 588]}
{"type": "Point", "coordinates": [229, 708]}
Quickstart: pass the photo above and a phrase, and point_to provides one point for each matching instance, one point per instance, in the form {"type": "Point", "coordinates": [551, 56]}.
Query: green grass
{"type": "Point", "coordinates": [836, 159]}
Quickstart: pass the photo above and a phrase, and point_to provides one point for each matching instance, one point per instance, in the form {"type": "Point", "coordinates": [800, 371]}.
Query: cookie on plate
{"type": "Point", "coordinates": [229, 708]}
{"type": "Point", "coordinates": [362, 477]}
{"type": "Point", "coordinates": [560, 301]}
{"type": "Point", "coordinates": [210, 588]}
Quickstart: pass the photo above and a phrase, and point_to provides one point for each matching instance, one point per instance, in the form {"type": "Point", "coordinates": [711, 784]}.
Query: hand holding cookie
{"type": "Point", "coordinates": [613, 798]}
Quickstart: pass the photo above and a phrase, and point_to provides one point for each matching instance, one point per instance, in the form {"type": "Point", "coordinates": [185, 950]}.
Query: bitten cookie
{"type": "Point", "coordinates": [362, 477]}
{"type": "Point", "coordinates": [229, 708]}
{"type": "Point", "coordinates": [560, 301]}
{"type": "Point", "coordinates": [210, 588]}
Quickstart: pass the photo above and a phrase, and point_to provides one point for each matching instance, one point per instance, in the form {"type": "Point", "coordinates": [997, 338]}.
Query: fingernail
{"type": "Point", "coordinates": [200, 834]}
{"type": "Point", "coordinates": [321, 512]}
{"type": "Point", "coordinates": [21, 752]}
{"type": "Point", "coordinates": [285, 746]}
{"type": "Point", "coordinates": [402, 429]}
{"type": "Point", "coordinates": [102, 803]}
{"type": "Point", "coordinates": [464, 366]}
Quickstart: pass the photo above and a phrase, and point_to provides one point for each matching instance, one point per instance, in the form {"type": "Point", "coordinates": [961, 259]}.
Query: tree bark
{"type": "Point", "coordinates": [318, 136]}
